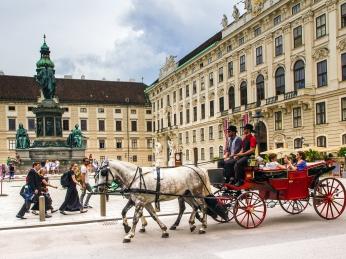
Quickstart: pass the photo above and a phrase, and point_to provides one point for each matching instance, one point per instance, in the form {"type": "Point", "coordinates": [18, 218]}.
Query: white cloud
{"type": "Point", "coordinates": [109, 38]}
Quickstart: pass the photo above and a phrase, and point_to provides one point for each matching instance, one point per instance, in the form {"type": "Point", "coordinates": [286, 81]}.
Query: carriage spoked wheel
{"type": "Point", "coordinates": [226, 199]}
{"type": "Point", "coordinates": [294, 206]}
{"type": "Point", "coordinates": [249, 210]}
{"type": "Point", "coordinates": [329, 198]}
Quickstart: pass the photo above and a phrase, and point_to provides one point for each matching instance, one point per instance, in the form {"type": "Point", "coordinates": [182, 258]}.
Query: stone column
{"type": "Point", "coordinates": [269, 85]}
{"type": "Point", "coordinates": [332, 27]}
{"type": "Point", "coordinates": [308, 32]}
{"type": "Point", "coordinates": [288, 49]}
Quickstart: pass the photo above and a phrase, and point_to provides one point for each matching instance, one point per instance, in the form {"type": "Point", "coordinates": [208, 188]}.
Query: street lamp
{"type": "Point", "coordinates": [127, 101]}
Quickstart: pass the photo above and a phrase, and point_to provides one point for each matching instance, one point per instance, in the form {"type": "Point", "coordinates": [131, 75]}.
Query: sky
{"type": "Point", "coordinates": [105, 39]}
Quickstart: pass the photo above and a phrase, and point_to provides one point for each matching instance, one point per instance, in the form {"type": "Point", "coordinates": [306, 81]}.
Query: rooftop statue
{"type": "Point", "coordinates": [235, 13]}
{"type": "Point", "coordinates": [248, 5]}
{"type": "Point", "coordinates": [224, 21]}
{"type": "Point", "coordinates": [75, 138]}
{"type": "Point", "coordinates": [22, 138]}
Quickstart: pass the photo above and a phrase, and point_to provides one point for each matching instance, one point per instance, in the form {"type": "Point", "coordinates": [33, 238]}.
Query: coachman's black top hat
{"type": "Point", "coordinates": [232, 128]}
{"type": "Point", "coordinates": [249, 127]}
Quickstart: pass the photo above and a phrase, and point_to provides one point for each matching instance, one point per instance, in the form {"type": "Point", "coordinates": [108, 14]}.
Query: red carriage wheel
{"type": "Point", "coordinates": [226, 200]}
{"type": "Point", "coordinates": [249, 210]}
{"type": "Point", "coordinates": [329, 198]}
{"type": "Point", "coordinates": [294, 206]}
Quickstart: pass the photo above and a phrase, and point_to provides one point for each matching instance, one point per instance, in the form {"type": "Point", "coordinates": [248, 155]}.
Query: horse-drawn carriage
{"type": "Point", "coordinates": [262, 188]}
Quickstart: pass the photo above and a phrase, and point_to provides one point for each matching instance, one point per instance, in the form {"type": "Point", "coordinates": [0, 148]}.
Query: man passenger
{"type": "Point", "coordinates": [232, 148]}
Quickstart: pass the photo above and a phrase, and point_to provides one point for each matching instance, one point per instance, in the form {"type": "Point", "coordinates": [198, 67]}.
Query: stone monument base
{"type": "Point", "coordinates": [64, 155]}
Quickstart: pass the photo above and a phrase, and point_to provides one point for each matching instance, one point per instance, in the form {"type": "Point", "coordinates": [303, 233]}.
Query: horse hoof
{"type": "Point", "coordinates": [165, 235]}
{"type": "Point", "coordinates": [127, 229]}
{"type": "Point", "coordinates": [173, 228]}
{"type": "Point", "coordinates": [142, 230]}
{"type": "Point", "coordinates": [126, 240]}
{"type": "Point", "coordinates": [192, 228]}
{"type": "Point", "coordinates": [201, 231]}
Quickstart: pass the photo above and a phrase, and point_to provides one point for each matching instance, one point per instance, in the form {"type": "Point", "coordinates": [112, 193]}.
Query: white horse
{"type": "Point", "coordinates": [177, 182]}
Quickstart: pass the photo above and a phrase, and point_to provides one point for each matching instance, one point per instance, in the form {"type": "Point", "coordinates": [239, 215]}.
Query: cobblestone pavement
{"type": "Point", "coordinates": [11, 204]}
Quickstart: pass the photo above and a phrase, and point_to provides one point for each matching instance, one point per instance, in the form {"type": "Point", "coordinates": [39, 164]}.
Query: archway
{"type": "Point", "coordinates": [261, 135]}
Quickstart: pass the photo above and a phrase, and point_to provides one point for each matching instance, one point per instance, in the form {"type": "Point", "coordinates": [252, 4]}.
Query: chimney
{"type": "Point", "coordinates": [103, 79]}
{"type": "Point", "coordinates": [67, 76]}
{"type": "Point", "coordinates": [118, 79]}
{"type": "Point", "coordinates": [82, 77]}
{"type": "Point", "coordinates": [2, 73]}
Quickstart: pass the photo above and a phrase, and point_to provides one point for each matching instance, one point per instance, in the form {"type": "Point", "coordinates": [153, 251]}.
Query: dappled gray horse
{"type": "Point", "coordinates": [180, 181]}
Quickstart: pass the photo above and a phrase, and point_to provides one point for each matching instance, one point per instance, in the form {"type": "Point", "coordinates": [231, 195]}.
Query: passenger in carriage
{"type": "Point", "coordinates": [248, 149]}
{"type": "Point", "coordinates": [273, 164]}
{"type": "Point", "coordinates": [232, 147]}
{"type": "Point", "coordinates": [301, 163]}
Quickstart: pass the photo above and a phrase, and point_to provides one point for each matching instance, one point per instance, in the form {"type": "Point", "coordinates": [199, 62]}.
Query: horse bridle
{"type": "Point", "coordinates": [104, 170]}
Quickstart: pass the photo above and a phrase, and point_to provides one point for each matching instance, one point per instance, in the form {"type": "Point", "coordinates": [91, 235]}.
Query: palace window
{"type": "Point", "coordinates": [242, 63]}
{"type": "Point", "coordinates": [187, 91]}
{"type": "Point", "coordinates": [11, 144]}
{"type": "Point", "coordinates": [101, 110]}
{"type": "Point", "coordinates": [257, 31]}
{"type": "Point", "coordinates": [277, 20]}
{"type": "Point", "coordinates": [134, 125]}
{"type": "Point", "coordinates": [174, 96]}
{"type": "Point", "coordinates": [211, 133]}
{"type": "Point", "coordinates": [180, 138]}
{"type": "Point", "coordinates": [12, 108]}
{"type": "Point", "coordinates": [320, 113]}
{"type": "Point", "coordinates": [202, 134]}
{"type": "Point", "coordinates": [220, 131]}
{"type": "Point", "coordinates": [221, 104]}
{"type": "Point", "coordinates": [297, 117]}
{"type": "Point", "coordinates": [243, 93]}
{"type": "Point", "coordinates": [343, 109]}
{"type": "Point", "coordinates": [102, 144]}
{"type": "Point", "coordinates": [322, 78]}
{"type": "Point", "coordinates": [118, 143]}
{"type": "Point", "coordinates": [278, 46]}
{"type": "Point", "coordinates": [150, 158]}
{"type": "Point", "coordinates": [343, 15]}
{"type": "Point", "coordinates": [202, 111]}
{"type": "Point", "coordinates": [220, 74]}
{"type": "Point", "coordinates": [230, 69]}
{"type": "Point", "coordinates": [322, 141]}
{"type": "Point", "coordinates": [84, 125]}
{"type": "Point", "coordinates": [194, 87]}
{"type": "Point", "coordinates": [231, 98]}
{"type": "Point", "coordinates": [149, 143]}
{"type": "Point", "coordinates": [202, 154]}
{"type": "Point", "coordinates": [343, 66]}
{"type": "Point", "coordinates": [187, 155]}
{"type": "Point", "coordinates": [241, 41]}
{"type": "Point", "coordinates": [31, 124]}
{"type": "Point", "coordinates": [149, 126]}
{"type": "Point", "coordinates": [117, 110]}
{"type": "Point", "coordinates": [280, 81]}
{"type": "Point", "coordinates": [343, 139]}
{"type": "Point", "coordinates": [12, 124]}
{"type": "Point", "coordinates": [187, 115]}
{"type": "Point", "coordinates": [229, 48]}
{"type": "Point", "coordinates": [194, 136]}
{"type": "Point", "coordinates": [147, 111]}
{"type": "Point", "coordinates": [260, 88]}
{"type": "Point", "coordinates": [211, 79]}
{"type": "Point", "coordinates": [102, 125]}
{"type": "Point", "coordinates": [180, 94]}
{"type": "Point", "coordinates": [202, 84]}
{"type": "Point", "coordinates": [297, 37]}
{"type": "Point", "coordinates": [65, 124]}
{"type": "Point", "coordinates": [134, 143]}
{"type": "Point", "coordinates": [195, 113]}
{"type": "Point", "coordinates": [220, 152]}
{"type": "Point", "coordinates": [321, 26]}
{"type": "Point", "coordinates": [119, 158]}
{"type": "Point", "coordinates": [259, 56]}
{"type": "Point", "coordinates": [211, 153]}
{"type": "Point", "coordinates": [211, 108]}
{"type": "Point", "coordinates": [187, 137]}
{"type": "Point", "coordinates": [278, 120]}
{"type": "Point", "coordinates": [134, 158]}
{"type": "Point", "coordinates": [299, 75]}
{"type": "Point", "coordinates": [118, 126]}
{"type": "Point", "coordinates": [181, 118]}
{"type": "Point", "coordinates": [298, 143]}
{"type": "Point", "coordinates": [168, 100]}
{"type": "Point", "coordinates": [296, 9]}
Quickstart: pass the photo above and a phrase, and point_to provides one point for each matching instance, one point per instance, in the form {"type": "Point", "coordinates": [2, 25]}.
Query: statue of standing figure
{"type": "Point", "coordinates": [75, 139]}
{"type": "Point", "coordinates": [248, 5]}
{"type": "Point", "coordinates": [224, 21]}
{"type": "Point", "coordinates": [235, 13]}
{"type": "Point", "coordinates": [46, 80]}
{"type": "Point", "coordinates": [22, 138]}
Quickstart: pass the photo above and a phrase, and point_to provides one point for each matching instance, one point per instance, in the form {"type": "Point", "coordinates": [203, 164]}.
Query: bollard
{"type": "Point", "coordinates": [103, 205]}
{"type": "Point", "coordinates": [42, 207]}
{"type": "Point", "coordinates": [1, 194]}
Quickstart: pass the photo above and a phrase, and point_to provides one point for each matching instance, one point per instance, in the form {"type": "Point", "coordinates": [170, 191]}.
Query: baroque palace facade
{"type": "Point", "coordinates": [115, 117]}
{"type": "Point", "coordinates": [281, 66]}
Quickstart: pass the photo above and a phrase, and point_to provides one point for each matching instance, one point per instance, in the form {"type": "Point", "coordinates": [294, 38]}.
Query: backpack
{"type": "Point", "coordinates": [65, 180]}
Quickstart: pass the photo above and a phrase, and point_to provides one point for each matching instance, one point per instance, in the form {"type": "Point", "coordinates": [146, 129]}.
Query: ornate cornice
{"type": "Point", "coordinates": [342, 45]}
{"type": "Point", "coordinates": [331, 5]}
{"type": "Point", "coordinates": [286, 28]}
{"type": "Point", "coordinates": [320, 53]}
{"type": "Point", "coordinates": [308, 17]}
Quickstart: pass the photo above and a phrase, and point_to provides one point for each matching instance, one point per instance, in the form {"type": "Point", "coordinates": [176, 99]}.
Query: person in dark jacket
{"type": "Point", "coordinates": [34, 185]}
{"type": "Point", "coordinates": [71, 202]}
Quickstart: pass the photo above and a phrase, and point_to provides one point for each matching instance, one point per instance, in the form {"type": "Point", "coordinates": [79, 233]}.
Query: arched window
{"type": "Point", "coordinates": [321, 141]}
{"type": "Point", "coordinates": [220, 152]}
{"type": "Point", "coordinates": [260, 88]}
{"type": "Point", "coordinates": [344, 139]}
{"type": "Point", "coordinates": [243, 93]}
{"type": "Point", "coordinates": [298, 143]}
{"type": "Point", "coordinates": [299, 75]}
{"type": "Point", "coordinates": [280, 81]}
{"type": "Point", "coordinates": [231, 98]}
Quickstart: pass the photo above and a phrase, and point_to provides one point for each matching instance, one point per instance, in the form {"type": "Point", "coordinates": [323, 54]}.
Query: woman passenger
{"type": "Point", "coordinates": [301, 163]}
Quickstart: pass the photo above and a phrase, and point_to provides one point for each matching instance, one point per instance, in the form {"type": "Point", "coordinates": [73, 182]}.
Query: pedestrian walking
{"type": "Point", "coordinates": [3, 171]}
{"type": "Point", "coordinates": [32, 188]}
{"type": "Point", "coordinates": [85, 173]}
{"type": "Point", "coordinates": [11, 170]}
{"type": "Point", "coordinates": [71, 202]}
